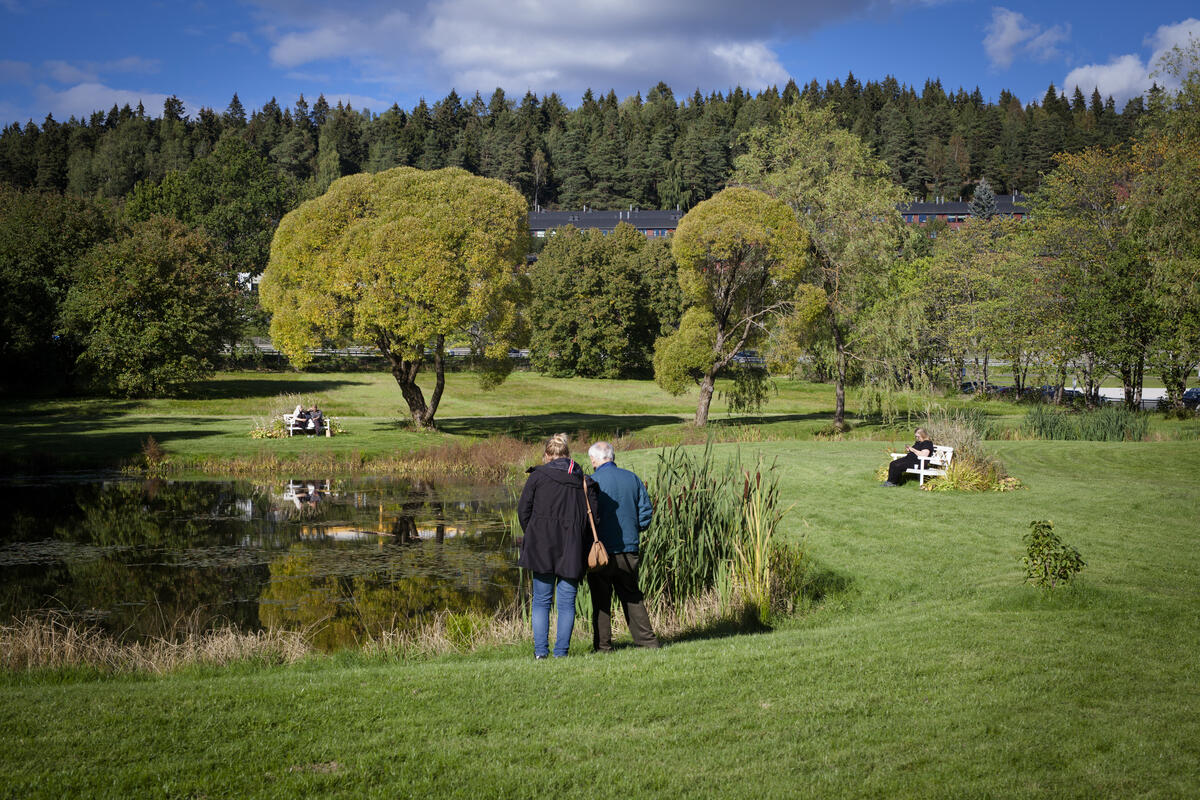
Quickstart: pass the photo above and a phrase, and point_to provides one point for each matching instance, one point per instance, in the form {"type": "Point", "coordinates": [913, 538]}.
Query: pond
{"type": "Point", "coordinates": [339, 559]}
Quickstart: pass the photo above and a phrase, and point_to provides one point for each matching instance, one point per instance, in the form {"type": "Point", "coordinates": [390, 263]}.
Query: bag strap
{"type": "Point", "coordinates": [586, 502]}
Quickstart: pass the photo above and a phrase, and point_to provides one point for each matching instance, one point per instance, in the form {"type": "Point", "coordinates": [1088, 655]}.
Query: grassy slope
{"type": "Point", "coordinates": [935, 675]}
{"type": "Point", "coordinates": [215, 422]}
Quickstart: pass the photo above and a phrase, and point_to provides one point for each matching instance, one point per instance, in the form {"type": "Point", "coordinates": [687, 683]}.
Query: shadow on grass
{"type": "Point", "coordinates": [89, 444]}
{"type": "Point", "coordinates": [255, 388]}
{"type": "Point", "coordinates": [768, 419]}
{"type": "Point", "coordinates": [816, 586]}
{"type": "Point", "coordinates": [542, 425]}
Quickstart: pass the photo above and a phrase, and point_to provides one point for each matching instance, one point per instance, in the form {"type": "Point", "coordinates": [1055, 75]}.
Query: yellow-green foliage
{"type": "Point", "coordinates": [740, 256]}
{"type": "Point", "coordinates": [397, 258]}
{"type": "Point", "coordinates": [742, 230]}
{"type": "Point", "coordinates": [681, 358]}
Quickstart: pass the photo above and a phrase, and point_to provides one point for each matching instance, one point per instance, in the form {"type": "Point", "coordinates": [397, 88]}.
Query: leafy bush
{"type": "Point", "coordinates": [1113, 423]}
{"type": "Point", "coordinates": [1048, 561]}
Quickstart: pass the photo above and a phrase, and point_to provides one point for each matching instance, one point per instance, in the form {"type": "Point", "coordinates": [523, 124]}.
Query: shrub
{"type": "Point", "coordinates": [269, 425]}
{"type": "Point", "coordinates": [973, 469]}
{"type": "Point", "coordinates": [1048, 561]}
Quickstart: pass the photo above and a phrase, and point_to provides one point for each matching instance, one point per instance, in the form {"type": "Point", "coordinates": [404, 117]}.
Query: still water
{"type": "Point", "coordinates": [340, 559]}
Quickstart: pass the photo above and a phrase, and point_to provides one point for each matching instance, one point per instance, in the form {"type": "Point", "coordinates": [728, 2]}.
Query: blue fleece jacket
{"type": "Point", "coordinates": [625, 509]}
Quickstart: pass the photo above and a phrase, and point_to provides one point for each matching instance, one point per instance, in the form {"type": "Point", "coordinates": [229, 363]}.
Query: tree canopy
{"type": "Point", "coordinates": [151, 309]}
{"type": "Point", "coordinates": [402, 259]}
{"type": "Point", "coordinates": [599, 302]}
{"type": "Point", "coordinates": [740, 255]}
{"type": "Point", "coordinates": [845, 200]}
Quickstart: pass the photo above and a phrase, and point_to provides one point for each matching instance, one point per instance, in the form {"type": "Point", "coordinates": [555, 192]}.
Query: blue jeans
{"type": "Point", "coordinates": [543, 595]}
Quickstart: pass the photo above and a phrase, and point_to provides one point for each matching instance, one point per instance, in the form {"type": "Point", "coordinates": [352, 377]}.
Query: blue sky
{"type": "Point", "coordinates": [66, 57]}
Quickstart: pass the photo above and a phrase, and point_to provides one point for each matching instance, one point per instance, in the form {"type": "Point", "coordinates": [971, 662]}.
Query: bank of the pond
{"type": "Point", "coordinates": [940, 674]}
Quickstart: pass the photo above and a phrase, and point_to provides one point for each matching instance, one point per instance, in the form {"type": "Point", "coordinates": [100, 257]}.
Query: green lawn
{"type": "Point", "coordinates": [933, 673]}
{"type": "Point", "coordinates": [215, 421]}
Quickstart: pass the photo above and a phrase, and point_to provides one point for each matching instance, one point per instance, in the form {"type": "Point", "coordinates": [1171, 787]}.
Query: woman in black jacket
{"type": "Point", "coordinates": [553, 515]}
{"type": "Point", "coordinates": [921, 448]}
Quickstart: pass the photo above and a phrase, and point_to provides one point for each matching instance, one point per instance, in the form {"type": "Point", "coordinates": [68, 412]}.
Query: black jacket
{"type": "Point", "coordinates": [554, 518]}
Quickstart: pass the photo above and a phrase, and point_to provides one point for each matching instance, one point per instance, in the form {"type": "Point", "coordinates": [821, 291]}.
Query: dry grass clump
{"type": "Point", "coordinates": [52, 641]}
{"type": "Point", "coordinates": [449, 632]}
{"type": "Point", "coordinates": [491, 459]}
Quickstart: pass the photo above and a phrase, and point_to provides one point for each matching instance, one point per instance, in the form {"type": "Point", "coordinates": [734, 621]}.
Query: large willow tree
{"type": "Point", "coordinates": [402, 259]}
{"type": "Point", "coordinates": [740, 255]}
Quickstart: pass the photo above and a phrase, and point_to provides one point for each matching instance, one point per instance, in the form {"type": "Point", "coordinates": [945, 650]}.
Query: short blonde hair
{"type": "Point", "coordinates": [556, 446]}
{"type": "Point", "coordinates": [922, 433]}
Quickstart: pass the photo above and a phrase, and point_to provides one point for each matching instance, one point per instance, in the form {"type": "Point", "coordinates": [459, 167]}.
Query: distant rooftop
{"type": "Point", "coordinates": [643, 220]}
{"type": "Point", "coordinates": [1006, 205]}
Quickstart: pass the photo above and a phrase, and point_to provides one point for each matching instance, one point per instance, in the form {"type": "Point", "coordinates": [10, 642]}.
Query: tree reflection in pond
{"type": "Point", "coordinates": [356, 558]}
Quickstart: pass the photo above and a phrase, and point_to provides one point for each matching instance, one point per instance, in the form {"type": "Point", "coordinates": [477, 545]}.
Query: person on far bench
{"type": "Point", "coordinates": [315, 421]}
{"type": "Point", "coordinates": [921, 448]}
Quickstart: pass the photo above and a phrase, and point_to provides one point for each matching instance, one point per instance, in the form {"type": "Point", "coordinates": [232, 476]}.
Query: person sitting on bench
{"type": "Point", "coordinates": [921, 448]}
{"type": "Point", "coordinates": [316, 422]}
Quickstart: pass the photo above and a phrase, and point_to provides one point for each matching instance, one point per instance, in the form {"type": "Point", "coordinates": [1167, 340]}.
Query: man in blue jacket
{"type": "Point", "coordinates": [625, 512]}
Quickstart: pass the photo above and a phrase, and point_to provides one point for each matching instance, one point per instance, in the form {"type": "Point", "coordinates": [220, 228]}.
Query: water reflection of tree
{"type": "Point", "coordinates": [130, 586]}
{"type": "Point", "coordinates": [397, 591]}
{"type": "Point", "coordinates": [149, 559]}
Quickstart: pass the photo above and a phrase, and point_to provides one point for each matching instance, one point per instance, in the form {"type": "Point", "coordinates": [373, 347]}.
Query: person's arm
{"type": "Point", "coordinates": [923, 452]}
{"type": "Point", "coordinates": [525, 503]}
{"type": "Point", "coordinates": [645, 508]}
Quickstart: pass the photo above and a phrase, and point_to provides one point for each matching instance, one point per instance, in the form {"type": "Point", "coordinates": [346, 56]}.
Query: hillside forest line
{"type": "Point", "coordinates": [652, 152]}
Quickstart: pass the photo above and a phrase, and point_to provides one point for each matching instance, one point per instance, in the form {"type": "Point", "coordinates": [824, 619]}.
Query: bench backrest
{"type": "Point", "coordinates": [941, 455]}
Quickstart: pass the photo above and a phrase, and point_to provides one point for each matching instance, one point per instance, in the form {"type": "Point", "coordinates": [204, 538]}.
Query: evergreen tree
{"type": "Point", "coordinates": [235, 114]}
{"type": "Point", "coordinates": [983, 202]}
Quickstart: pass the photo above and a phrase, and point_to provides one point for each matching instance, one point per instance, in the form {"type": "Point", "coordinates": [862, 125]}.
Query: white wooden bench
{"type": "Point", "coordinates": [293, 424]}
{"type": "Point", "coordinates": [933, 466]}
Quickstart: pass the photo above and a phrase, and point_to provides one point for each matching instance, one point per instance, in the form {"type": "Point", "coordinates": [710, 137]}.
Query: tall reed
{"type": "Point", "coordinates": [689, 545]}
{"type": "Point", "coordinates": [753, 547]}
{"type": "Point", "coordinates": [1112, 423]}
{"type": "Point", "coordinates": [713, 533]}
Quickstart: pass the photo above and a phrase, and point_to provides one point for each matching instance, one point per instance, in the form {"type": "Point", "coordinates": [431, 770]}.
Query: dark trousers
{"type": "Point", "coordinates": [620, 575]}
{"type": "Point", "coordinates": [896, 468]}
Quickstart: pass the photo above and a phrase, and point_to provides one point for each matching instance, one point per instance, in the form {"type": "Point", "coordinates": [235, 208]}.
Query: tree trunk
{"type": "Point", "coordinates": [706, 393]}
{"type": "Point", "coordinates": [439, 371]}
{"type": "Point", "coordinates": [839, 389]}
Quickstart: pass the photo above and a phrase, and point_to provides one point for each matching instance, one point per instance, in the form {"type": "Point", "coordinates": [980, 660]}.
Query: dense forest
{"type": "Point", "coordinates": [651, 152]}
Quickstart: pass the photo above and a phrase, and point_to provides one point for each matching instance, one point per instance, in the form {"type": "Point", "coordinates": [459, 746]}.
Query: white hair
{"type": "Point", "coordinates": [601, 451]}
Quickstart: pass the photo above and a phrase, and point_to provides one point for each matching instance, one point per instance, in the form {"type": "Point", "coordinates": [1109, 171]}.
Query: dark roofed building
{"type": "Point", "coordinates": [956, 212]}
{"type": "Point", "coordinates": [663, 223]}
{"type": "Point", "coordinates": [650, 223]}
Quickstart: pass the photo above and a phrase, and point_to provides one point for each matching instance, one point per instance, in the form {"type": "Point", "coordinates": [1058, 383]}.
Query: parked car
{"type": "Point", "coordinates": [1191, 397]}
{"type": "Point", "coordinates": [971, 387]}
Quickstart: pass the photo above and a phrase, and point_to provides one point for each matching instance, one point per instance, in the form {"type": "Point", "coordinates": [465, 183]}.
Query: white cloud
{"type": "Point", "coordinates": [84, 98]}
{"type": "Point", "coordinates": [130, 64]}
{"type": "Point", "coordinates": [1126, 76]}
{"type": "Point", "coordinates": [91, 71]}
{"type": "Point", "coordinates": [1123, 77]}
{"type": "Point", "coordinates": [62, 72]}
{"type": "Point", "coordinates": [340, 37]}
{"type": "Point", "coordinates": [1011, 34]}
{"type": "Point", "coordinates": [550, 45]}
{"type": "Point", "coordinates": [239, 37]}
{"type": "Point", "coordinates": [358, 101]}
